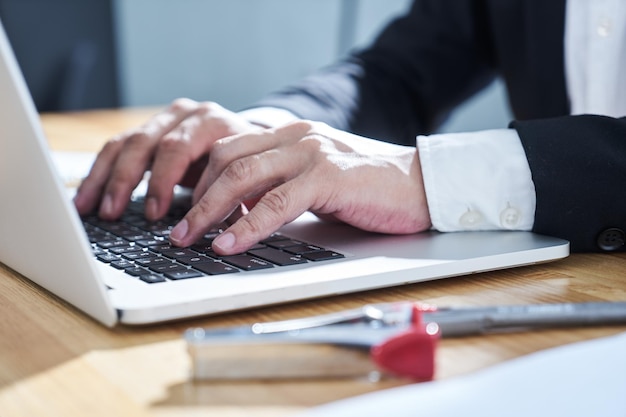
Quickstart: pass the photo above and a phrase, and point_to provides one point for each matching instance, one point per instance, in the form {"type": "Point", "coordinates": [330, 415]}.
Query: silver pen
{"type": "Point", "coordinates": [462, 321]}
{"type": "Point", "coordinates": [455, 321]}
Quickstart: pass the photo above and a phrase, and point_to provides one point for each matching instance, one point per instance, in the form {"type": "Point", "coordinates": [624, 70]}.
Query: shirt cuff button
{"type": "Point", "coordinates": [510, 218]}
{"type": "Point", "coordinates": [471, 219]}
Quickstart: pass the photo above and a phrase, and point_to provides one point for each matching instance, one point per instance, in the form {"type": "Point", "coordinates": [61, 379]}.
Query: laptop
{"type": "Point", "coordinates": [44, 239]}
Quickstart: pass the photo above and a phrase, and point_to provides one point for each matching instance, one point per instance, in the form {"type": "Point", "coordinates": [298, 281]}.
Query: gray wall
{"type": "Point", "coordinates": [235, 51]}
{"type": "Point", "coordinates": [65, 51]}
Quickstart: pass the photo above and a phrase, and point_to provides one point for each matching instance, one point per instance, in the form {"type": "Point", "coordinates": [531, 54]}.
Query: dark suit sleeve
{"type": "Point", "coordinates": [422, 66]}
{"type": "Point", "coordinates": [578, 165]}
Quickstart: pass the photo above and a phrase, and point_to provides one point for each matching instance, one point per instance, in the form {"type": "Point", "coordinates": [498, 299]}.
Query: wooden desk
{"type": "Point", "coordinates": [55, 361]}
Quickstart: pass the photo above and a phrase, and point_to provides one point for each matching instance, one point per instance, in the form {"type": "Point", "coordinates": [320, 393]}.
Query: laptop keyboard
{"type": "Point", "coordinates": [141, 249]}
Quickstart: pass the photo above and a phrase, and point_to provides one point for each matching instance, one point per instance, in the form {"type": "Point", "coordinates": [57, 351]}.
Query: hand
{"type": "Point", "coordinates": [173, 145]}
{"type": "Point", "coordinates": [302, 166]}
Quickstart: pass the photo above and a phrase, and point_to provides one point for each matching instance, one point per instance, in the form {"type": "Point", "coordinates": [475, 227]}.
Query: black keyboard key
{"type": "Point", "coordinates": [97, 251]}
{"type": "Point", "coordinates": [136, 271]}
{"type": "Point", "coordinates": [213, 233]}
{"type": "Point", "coordinates": [194, 260]}
{"type": "Point", "coordinates": [247, 262]}
{"type": "Point", "coordinates": [158, 229]}
{"type": "Point", "coordinates": [97, 237]}
{"type": "Point", "coordinates": [163, 268]}
{"type": "Point", "coordinates": [152, 278]}
{"type": "Point", "coordinates": [301, 249]}
{"type": "Point", "coordinates": [277, 257]}
{"type": "Point", "coordinates": [121, 264]}
{"type": "Point", "coordinates": [258, 246]}
{"type": "Point", "coordinates": [112, 243]}
{"type": "Point", "coordinates": [203, 246]}
{"type": "Point", "coordinates": [178, 253]}
{"type": "Point", "coordinates": [115, 228]}
{"type": "Point", "coordinates": [107, 257]}
{"type": "Point", "coordinates": [284, 243]}
{"type": "Point", "coordinates": [125, 249]}
{"type": "Point", "coordinates": [150, 242]}
{"type": "Point", "coordinates": [215, 268]}
{"type": "Point", "coordinates": [323, 255]}
{"type": "Point", "coordinates": [183, 274]}
{"type": "Point", "coordinates": [141, 254]}
{"type": "Point", "coordinates": [161, 247]}
{"type": "Point", "coordinates": [274, 238]}
{"type": "Point", "coordinates": [137, 236]}
{"type": "Point", "coordinates": [152, 261]}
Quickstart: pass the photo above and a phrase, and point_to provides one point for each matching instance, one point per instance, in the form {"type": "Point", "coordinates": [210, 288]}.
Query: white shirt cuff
{"type": "Point", "coordinates": [477, 181]}
{"type": "Point", "coordinates": [268, 116]}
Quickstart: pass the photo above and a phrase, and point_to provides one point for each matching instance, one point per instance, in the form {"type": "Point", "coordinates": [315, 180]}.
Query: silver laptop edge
{"type": "Point", "coordinates": [32, 195]}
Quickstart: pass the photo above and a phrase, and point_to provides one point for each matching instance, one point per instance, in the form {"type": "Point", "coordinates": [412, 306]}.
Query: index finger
{"type": "Point", "coordinates": [243, 179]}
{"type": "Point", "coordinates": [276, 208]}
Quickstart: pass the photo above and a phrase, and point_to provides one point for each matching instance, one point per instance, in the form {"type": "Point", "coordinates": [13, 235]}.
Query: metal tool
{"type": "Point", "coordinates": [391, 338]}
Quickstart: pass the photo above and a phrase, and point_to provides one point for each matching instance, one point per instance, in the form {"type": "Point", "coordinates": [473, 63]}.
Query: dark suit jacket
{"type": "Point", "coordinates": [442, 52]}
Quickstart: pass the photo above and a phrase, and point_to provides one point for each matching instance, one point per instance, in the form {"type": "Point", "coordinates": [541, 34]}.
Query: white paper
{"type": "Point", "coordinates": [581, 379]}
{"type": "Point", "coordinates": [72, 167]}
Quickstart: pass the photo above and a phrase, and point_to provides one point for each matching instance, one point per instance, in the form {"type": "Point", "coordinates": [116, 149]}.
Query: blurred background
{"type": "Point", "coordinates": [89, 54]}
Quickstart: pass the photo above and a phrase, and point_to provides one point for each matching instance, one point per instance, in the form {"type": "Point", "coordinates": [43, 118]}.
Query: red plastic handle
{"type": "Point", "coordinates": [410, 353]}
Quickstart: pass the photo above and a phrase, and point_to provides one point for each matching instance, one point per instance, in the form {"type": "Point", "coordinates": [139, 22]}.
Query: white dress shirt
{"type": "Point", "coordinates": [595, 56]}
{"type": "Point", "coordinates": [481, 180]}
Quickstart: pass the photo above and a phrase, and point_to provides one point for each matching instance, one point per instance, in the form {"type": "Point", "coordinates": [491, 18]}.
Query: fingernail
{"type": "Point", "coordinates": [106, 207]}
{"type": "Point", "coordinates": [179, 232]}
{"type": "Point", "coordinates": [152, 208]}
{"type": "Point", "coordinates": [79, 200]}
{"type": "Point", "coordinates": [225, 241]}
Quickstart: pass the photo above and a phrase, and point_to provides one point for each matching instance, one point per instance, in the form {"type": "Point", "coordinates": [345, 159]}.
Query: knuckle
{"type": "Point", "coordinates": [306, 135]}
{"type": "Point", "coordinates": [297, 128]}
{"type": "Point", "coordinates": [112, 145]}
{"type": "Point", "coordinates": [307, 131]}
{"type": "Point", "coordinates": [137, 139]}
{"type": "Point", "coordinates": [301, 125]}
{"type": "Point", "coordinates": [311, 142]}
{"type": "Point", "coordinates": [200, 210]}
{"type": "Point", "coordinates": [123, 175]}
{"type": "Point", "coordinates": [276, 201]}
{"type": "Point", "coordinates": [241, 170]}
{"type": "Point", "coordinates": [219, 150]}
{"type": "Point", "coordinates": [251, 225]}
{"type": "Point", "coordinates": [173, 143]}
{"type": "Point", "coordinates": [207, 108]}
{"type": "Point", "coordinates": [182, 104]}
{"type": "Point", "coordinates": [121, 183]}
{"type": "Point", "coordinates": [223, 152]}
{"type": "Point", "coordinates": [308, 127]}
